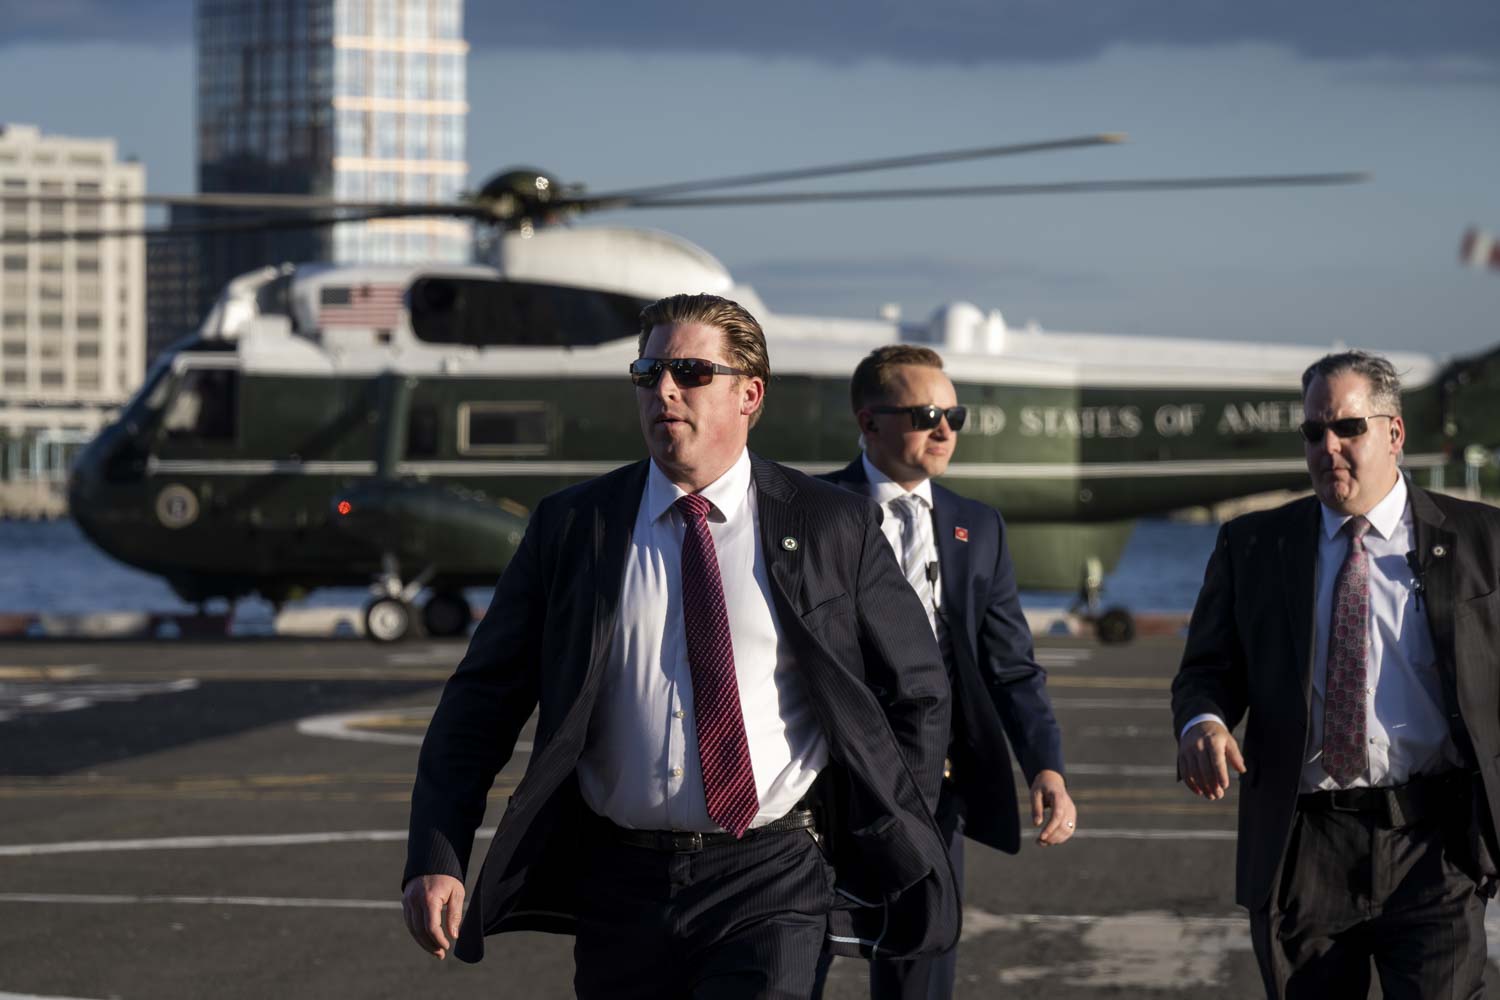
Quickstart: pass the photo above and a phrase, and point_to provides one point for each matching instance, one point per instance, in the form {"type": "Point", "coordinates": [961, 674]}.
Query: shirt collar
{"type": "Point", "coordinates": [1385, 517]}
{"type": "Point", "coordinates": [728, 494]}
{"type": "Point", "coordinates": [884, 489]}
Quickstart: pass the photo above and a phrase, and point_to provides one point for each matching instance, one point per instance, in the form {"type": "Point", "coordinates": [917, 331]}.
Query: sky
{"type": "Point", "coordinates": [614, 95]}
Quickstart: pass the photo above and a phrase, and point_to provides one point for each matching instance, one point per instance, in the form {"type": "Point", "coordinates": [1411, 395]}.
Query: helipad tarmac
{"type": "Point", "coordinates": [186, 819]}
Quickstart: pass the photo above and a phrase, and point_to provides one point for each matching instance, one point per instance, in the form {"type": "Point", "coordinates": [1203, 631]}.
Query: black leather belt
{"type": "Point", "coordinates": [689, 841]}
{"type": "Point", "coordinates": [1392, 805]}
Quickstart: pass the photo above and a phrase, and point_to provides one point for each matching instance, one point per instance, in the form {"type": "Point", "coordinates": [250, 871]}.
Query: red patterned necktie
{"type": "Point", "coordinates": [1345, 755]}
{"type": "Point", "coordinates": [723, 750]}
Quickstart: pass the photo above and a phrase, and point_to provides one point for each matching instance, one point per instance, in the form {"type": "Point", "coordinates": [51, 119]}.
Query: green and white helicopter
{"type": "Point", "coordinates": [335, 425]}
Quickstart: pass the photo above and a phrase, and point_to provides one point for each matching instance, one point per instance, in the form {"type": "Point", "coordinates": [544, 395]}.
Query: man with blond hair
{"type": "Point", "coordinates": [741, 713]}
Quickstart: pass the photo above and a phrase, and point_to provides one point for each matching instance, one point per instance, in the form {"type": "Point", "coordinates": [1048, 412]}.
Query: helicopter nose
{"type": "Point", "coordinates": [83, 488]}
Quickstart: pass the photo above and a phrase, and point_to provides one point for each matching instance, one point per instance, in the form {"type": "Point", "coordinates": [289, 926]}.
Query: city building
{"type": "Point", "coordinates": [72, 313]}
{"type": "Point", "coordinates": [360, 100]}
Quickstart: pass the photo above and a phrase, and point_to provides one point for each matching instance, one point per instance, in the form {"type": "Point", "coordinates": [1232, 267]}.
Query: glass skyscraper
{"type": "Point", "coordinates": [355, 99]}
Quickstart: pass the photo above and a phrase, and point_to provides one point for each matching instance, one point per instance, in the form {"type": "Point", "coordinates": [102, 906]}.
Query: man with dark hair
{"type": "Point", "coordinates": [741, 713]}
{"type": "Point", "coordinates": [1358, 631]}
{"type": "Point", "coordinates": [955, 558]}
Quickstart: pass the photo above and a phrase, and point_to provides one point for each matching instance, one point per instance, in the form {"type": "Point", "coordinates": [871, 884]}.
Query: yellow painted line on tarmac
{"type": "Point", "coordinates": [1131, 683]}
{"type": "Point", "coordinates": [415, 720]}
{"type": "Point", "coordinates": [13, 672]}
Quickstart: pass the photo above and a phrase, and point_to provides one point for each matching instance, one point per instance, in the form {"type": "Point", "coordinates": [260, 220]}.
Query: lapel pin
{"type": "Point", "coordinates": [789, 543]}
{"type": "Point", "coordinates": [1439, 551]}
{"type": "Point", "coordinates": [962, 534]}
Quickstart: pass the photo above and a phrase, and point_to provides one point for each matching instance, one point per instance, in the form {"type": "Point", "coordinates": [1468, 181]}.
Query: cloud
{"type": "Point", "coordinates": [936, 32]}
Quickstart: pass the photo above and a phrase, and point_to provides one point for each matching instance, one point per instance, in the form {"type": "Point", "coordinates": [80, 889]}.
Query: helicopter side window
{"type": "Point", "coordinates": [483, 312]}
{"type": "Point", "coordinates": [504, 429]}
{"type": "Point", "coordinates": [205, 406]}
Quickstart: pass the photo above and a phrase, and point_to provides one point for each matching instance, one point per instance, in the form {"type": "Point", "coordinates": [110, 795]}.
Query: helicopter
{"type": "Point", "coordinates": [393, 425]}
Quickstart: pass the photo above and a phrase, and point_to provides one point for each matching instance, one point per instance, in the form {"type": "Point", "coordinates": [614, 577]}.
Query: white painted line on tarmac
{"type": "Point", "coordinates": [387, 836]}
{"type": "Point", "coordinates": [1152, 833]}
{"type": "Point", "coordinates": [1124, 770]}
{"type": "Point", "coordinates": [1063, 656]}
{"type": "Point", "coordinates": [201, 843]}
{"type": "Point", "coordinates": [290, 902]}
{"type": "Point", "coordinates": [1162, 704]}
{"type": "Point", "coordinates": [1127, 732]}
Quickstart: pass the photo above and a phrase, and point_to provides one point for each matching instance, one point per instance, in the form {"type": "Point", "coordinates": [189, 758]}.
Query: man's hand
{"type": "Point", "coordinates": [433, 906]}
{"type": "Point", "coordinates": [1204, 756]}
{"type": "Point", "coordinates": [1050, 792]}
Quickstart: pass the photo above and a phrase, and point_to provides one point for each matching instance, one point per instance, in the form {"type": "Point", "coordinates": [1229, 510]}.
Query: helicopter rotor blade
{"type": "Point", "coordinates": [256, 224]}
{"type": "Point", "coordinates": [853, 167]}
{"type": "Point", "coordinates": [240, 202]}
{"type": "Point", "coordinates": [995, 190]}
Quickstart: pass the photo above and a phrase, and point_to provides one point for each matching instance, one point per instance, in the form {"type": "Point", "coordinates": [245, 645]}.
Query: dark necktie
{"type": "Point", "coordinates": [723, 750]}
{"type": "Point", "coordinates": [1345, 755]}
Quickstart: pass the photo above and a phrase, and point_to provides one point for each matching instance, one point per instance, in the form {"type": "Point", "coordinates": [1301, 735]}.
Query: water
{"type": "Point", "coordinates": [50, 567]}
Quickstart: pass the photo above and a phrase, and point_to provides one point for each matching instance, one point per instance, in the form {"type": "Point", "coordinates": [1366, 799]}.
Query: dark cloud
{"type": "Point", "coordinates": [937, 32]}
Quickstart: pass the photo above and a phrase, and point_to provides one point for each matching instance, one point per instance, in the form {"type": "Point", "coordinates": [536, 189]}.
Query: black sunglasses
{"type": "Point", "coordinates": [1344, 427]}
{"type": "Point", "coordinates": [925, 418]}
{"type": "Point", "coordinates": [688, 373]}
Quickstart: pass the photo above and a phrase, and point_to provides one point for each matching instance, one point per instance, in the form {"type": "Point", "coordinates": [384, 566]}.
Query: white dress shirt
{"type": "Point", "coordinates": [1406, 728]}
{"type": "Point", "coordinates": [640, 767]}
{"type": "Point", "coordinates": [884, 490]}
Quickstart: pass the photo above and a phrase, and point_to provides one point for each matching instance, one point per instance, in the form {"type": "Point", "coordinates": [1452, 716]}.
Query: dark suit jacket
{"type": "Point", "coordinates": [871, 668]}
{"type": "Point", "coordinates": [999, 690]}
{"type": "Point", "coordinates": [1249, 651]}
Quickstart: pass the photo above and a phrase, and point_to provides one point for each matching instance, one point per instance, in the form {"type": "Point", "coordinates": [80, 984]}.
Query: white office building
{"type": "Point", "coordinates": [72, 314]}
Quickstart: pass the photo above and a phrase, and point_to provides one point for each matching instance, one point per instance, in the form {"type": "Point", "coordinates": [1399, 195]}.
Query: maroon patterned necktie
{"type": "Point", "coordinates": [1345, 755]}
{"type": "Point", "coordinates": [723, 750]}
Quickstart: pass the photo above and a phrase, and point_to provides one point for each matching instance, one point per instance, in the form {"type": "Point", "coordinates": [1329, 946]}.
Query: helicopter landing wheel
{"type": "Point", "coordinates": [1115, 626]}
{"type": "Point", "coordinates": [387, 619]}
{"type": "Point", "coordinates": [446, 614]}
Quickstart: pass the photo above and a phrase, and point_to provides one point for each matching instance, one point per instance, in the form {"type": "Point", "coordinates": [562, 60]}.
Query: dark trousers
{"type": "Point", "coordinates": [738, 921]}
{"type": "Point", "coordinates": [1352, 890]}
{"type": "Point", "coordinates": [931, 977]}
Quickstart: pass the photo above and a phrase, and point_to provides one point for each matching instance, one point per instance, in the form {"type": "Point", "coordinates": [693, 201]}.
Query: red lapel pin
{"type": "Point", "coordinates": [962, 534]}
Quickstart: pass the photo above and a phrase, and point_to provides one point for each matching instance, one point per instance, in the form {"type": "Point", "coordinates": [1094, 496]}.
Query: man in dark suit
{"type": "Point", "coordinates": [741, 713]}
{"type": "Point", "coordinates": [954, 554]}
{"type": "Point", "coordinates": [1359, 632]}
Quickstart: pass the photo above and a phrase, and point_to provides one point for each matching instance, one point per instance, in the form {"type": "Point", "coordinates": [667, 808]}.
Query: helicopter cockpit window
{"type": "Point", "coordinates": [503, 429]}
{"type": "Point", "coordinates": [274, 298]}
{"type": "Point", "coordinates": [483, 312]}
{"type": "Point", "coordinates": [205, 405]}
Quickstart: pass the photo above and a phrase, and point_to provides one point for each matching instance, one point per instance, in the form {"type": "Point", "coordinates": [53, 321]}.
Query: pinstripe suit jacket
{"type": "Point", "coordinates": [999, 690]}
{"type": "Point", "coordinates": [872, 671]}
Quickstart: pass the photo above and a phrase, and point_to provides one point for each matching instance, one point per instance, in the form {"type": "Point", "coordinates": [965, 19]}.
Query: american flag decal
{"type": "Point", "coordinates": [962, 534]}
{"type": "Point", "coordinates": [377, 307]}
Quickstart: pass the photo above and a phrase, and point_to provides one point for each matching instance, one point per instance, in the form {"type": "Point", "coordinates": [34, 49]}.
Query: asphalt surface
{"type": "Point", "coordinates": [187, 819]}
